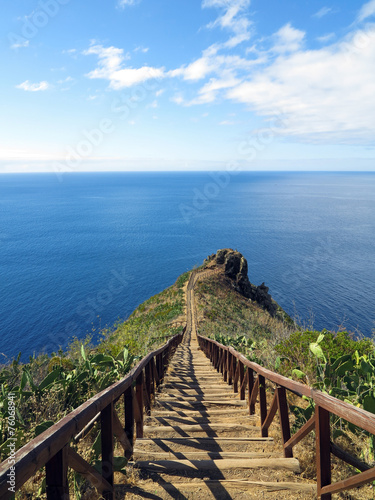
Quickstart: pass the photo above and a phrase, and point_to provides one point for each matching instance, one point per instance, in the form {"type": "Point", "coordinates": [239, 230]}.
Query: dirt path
{"type": "Point", "coordinates": [200, 441]}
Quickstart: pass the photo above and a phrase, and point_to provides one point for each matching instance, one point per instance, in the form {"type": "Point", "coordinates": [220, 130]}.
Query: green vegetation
{"type": "Point", "coordinates": [335, 363]}
{"type": "Point", "coordinates": [50, 386]}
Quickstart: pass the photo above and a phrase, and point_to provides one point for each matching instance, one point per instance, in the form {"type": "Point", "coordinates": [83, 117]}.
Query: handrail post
{"type": "Point", "coordinates": [139, 397]}
{"type": "Point", "coordinates": [234, 369]}
{"type": "Point", "coordinates": [242, 377]}
{"type": "Point", "coordinates": [106, 422]}
{"type": "Point", "coordinates": [129, 418]}
{"type": "Point", "coordinates": [225, 365]}
{"type": "Point", "coordinates": [250, 386]}
{"type": "Point", "coordinates": [57, 487]}
{"type": "Point", "coordinates": [148, 388]}
{"type": "Point", "coordinates": [282, 405]}
{"type": "Point", "coordinates": [323, 450]}
{"type": "Point", "coordinates": [152, 377]}
{"type": "Point", "coordinates": [229, 368]}
{"type": "Point", "coordinates": [263, 403]}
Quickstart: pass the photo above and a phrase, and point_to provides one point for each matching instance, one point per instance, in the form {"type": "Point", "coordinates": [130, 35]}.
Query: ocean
{"type": "Point", "coordinates": [79, 252]}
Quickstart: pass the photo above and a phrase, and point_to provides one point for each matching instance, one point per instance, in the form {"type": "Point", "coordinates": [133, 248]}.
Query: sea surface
{"type": "Point", "coordinates": [79, 252]}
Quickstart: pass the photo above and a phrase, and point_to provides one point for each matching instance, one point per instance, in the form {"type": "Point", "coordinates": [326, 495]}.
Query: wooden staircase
{"type": "Point", "coordinates": [201, 442]}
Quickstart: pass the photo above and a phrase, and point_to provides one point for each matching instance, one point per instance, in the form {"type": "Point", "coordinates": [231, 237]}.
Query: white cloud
{"type": "Point", "coordinates": [325, 94]}
{"type": "Point", "coordinates": [178, 99]}
{"type": "Point", "coordinates": [227, 122]}
{"type": "Point", "coordinates": [326, 38]}
{"type": "Point", "coordinates": [323, 12]}
{"type": "Point", "coordinates": [159, 92]}
{"type": "Point", "coordinates": [154, 104]}
{"type": "Point", "coordinates": [367, 10]}
{"type": "Point", "coordinates": [33, 87]}
{"type": "Point", "coordinates": [233, 19]}
{"type": "Point", "coordinates": [288, 39]}
{"type": "Point", "coordinates": [20, 45]}
{"type": "Point", "coordinates": [127, 3]}
{"type": "Point", "coordinates": [141, 49]}
{"type": "Point", "coordinates": [111, 68]}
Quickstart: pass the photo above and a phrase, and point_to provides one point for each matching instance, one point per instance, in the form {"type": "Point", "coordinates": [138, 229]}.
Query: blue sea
{"type": "Point", "coordinates": [79, 252]}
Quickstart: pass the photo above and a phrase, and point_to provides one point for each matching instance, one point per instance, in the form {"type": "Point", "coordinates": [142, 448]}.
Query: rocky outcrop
{"type": "Point", "coordinates": [235, 268]}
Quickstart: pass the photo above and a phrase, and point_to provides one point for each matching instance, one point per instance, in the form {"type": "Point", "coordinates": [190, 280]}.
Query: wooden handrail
{"type": "Point", "coordinates": [227, 360]}
{"type": "Point", "coordinates": [51, 448]}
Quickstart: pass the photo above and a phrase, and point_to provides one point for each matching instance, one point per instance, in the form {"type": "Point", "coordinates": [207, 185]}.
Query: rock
{"type": "Point", "coordinates": [209, 258]}
{"type": "Point", "coordinates": [220, 256]}
{"type": "Point", "coordinates": [236, 269]}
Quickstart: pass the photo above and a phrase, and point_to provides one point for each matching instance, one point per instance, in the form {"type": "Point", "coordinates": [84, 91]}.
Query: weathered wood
{"type": "Point", "coordinates": [206, 439]}
{"type": "Point", "coordinates": [121, 434]}
{"type": "Point", "coordinates": [57, 487]}
{"type": "Point", "coordinates": [263, 403]}
{"type": "Point", "coordinates": [87, 428]}
{"type": "Point", "coordinates": [209, 486]}
{"type": "Point", "coordinates": [282, 405]}
{"type": "Point", "coordinates": [301, 433]}
{"type": "Point", "coordinates": [242, 380]}
{"type": "Point", "coordinates": [106, 425]}
{"type": "Point", "coordinates": [236, 374]}
{"type": "Point", "coordinates": [129, 417]}
{"type": "Point", "coordinates": [349, 459]}
{"type": "Point", "coordinates": [139, 399]}
{"type": "Point", "coordinates": [199, 455]}
{"type": "Point", "coordinates": [214, 427]}
{"type": "Point", "coordinates": [35, 454]}
{"type": "Point", "coordinates": [148, 389]}
{"type": "Point", "coordinates": [323, 451]}
{"type": "Point", "coordinates": [252, 394]}
{"type": "Point", "coordinates": [270, 416]}
{"type": "Point", "coordinates": [347, 484]}
{"type": "Point", "coordinates": [77, 463]}
{"type": "Point", "coordinates": [165, 466]}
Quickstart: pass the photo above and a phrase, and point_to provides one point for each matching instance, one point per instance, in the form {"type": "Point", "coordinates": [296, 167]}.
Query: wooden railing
{"type": "Point", "coordinates": [52, 448]}
{"type": "Point", "coordinates": [246, 375]}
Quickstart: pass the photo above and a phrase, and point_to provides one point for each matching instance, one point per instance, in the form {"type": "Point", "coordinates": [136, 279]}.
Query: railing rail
{"type": "Point", "coordinates": [232, 365]}
{"type": "Point", "coordinates": [52, 448]}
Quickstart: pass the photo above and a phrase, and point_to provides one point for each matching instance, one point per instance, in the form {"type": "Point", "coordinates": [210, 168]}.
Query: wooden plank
{"type": "Point", "coordinates": [323, 451]}
{"type": "Point", "coordinates": [86, 470]}
{"type": "Point", "coordinates": [120, 434]}
{"type": "Point", "coordinates": [199, 428]}
{"type": "Point", "coordinates": [35, 454]}
{"type": "Point", "coordinates": [209, 485]}
{"type": "Point", "coordinates": [139, 400]}
{"type": "Point", "coordinates": [347, 484]}
{"type": "Point", "coordinates": [270, 415]}
{"type": "Point", "coordinates": [349, 459]}
{"type": "Point", "coordinates": [301, 433]}
{"type": "Point", "coordinates": [209, 412]}
{"type": "Point", "coordinates": [57, 487]}
{"type": "Point", "coordinates": [199, 455]}
{"type": "Point", "coordinates": [166, 466]}
{"type": "Point", "coordinates": [207, 439]}
{"type": "Point", "coordinates": [282, 405]}
{"type": "Point", "coordinates": [242, 380]}
{"type": "Point", "coordinates": [253, 393]}
{"type": "Point", "coordinates": [129, 417]}
{"type": "Point", "coordinates": [262, 403]}
{"type": "Point", "coordinates": [106, 425]}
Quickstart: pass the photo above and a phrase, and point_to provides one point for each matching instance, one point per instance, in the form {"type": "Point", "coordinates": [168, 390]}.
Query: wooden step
{"type": "Point", "coordinates": [166, 466]}
{"type": "Point", "coordinates": [162, 429]}
{"type": "Point", "coordinates": [198, 455]}
{"type": "Point", "coordinates": [241, 412]}
{"type": "Point", "coordinates": [203, 401]}
{"type": "Point", "coordinates": [220, 486]}
{"type": "Point", "coordinates": [207, 440]}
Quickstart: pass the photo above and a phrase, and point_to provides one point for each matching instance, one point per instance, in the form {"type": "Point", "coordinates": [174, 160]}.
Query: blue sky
{"type": "Point", "coordinates": [187, 85]}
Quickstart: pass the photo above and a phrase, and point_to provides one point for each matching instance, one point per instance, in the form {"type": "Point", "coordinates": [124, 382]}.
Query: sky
{"type": "Point", "coordinates": [187, 85]}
